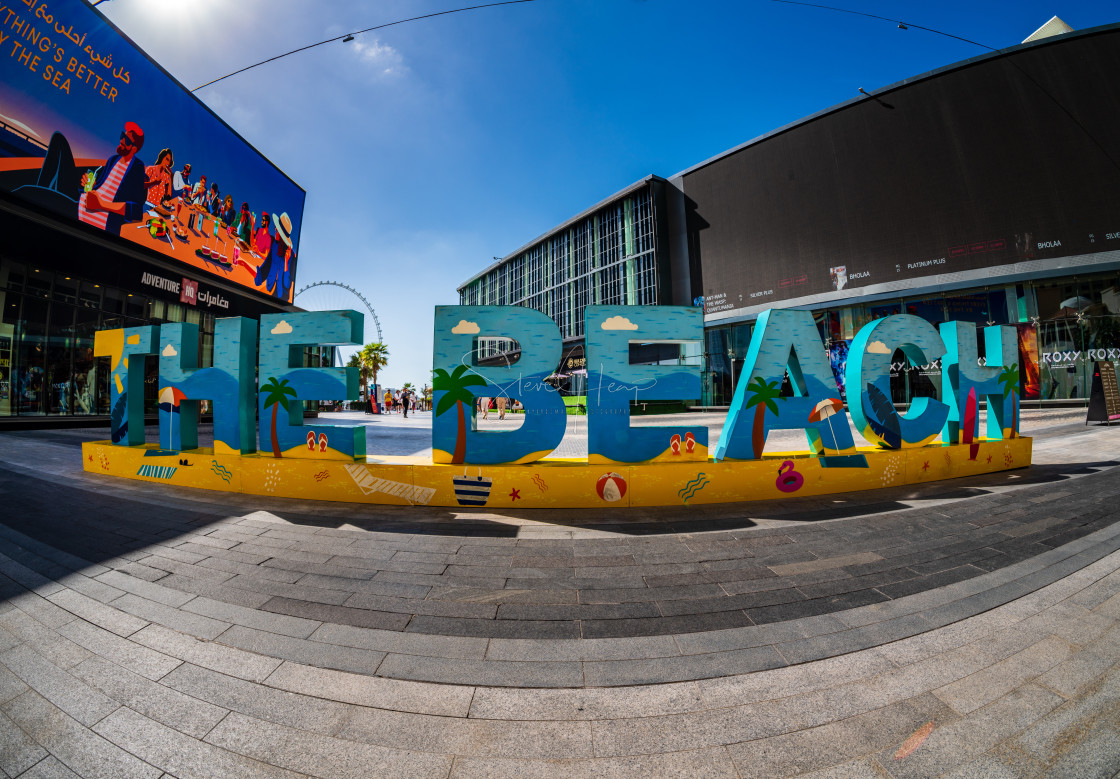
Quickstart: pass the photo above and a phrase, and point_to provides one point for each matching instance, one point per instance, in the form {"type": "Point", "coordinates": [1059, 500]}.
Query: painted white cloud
{"type": "Point", "coordinates": [618, 323]}
{"type": "Point", "coordinates": [878, 347]}
{"type": "Point", "coordinates": [169, 351]}
{"type": "Point", "coordinates": [466, 328]}
{"type": "Point", "coordinates": [282, 328]}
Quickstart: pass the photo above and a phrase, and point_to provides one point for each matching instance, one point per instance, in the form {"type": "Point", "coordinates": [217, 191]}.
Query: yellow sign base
{"type": "Point", "coordinates": [402, 481]}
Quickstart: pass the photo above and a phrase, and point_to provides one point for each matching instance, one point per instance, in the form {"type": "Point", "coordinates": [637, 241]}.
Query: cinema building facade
{"type": "Point", "coordinates": [69, 267]}
{"type": "Point", "coordinates": [987, 191]}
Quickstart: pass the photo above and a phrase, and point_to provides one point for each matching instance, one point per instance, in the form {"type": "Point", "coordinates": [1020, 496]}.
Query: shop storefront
{"type": "Point", "coordinates": [1065, 325]}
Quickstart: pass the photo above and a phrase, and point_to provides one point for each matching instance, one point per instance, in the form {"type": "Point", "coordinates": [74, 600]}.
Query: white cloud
{"type": "Point", "coordinates": [878, 347]}
{"type": "Point", "coordinates": [282, 328]}
{"type": "Point", "coordinates": [466, 328]}
{"type": "Point", "coordinates": [618, 323]}
{"type": "Point", "coordinates": [382, 58]}
{"type": "Point", "coordinates": [169, 351]}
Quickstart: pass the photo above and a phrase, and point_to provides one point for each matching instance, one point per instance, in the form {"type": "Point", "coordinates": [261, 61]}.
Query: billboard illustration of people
{"type": "Point", "coordinates": [93, 130]}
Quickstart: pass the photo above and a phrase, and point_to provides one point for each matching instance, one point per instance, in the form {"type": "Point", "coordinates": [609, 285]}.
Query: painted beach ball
{"type": "Point", "coordinates": [611, 487]}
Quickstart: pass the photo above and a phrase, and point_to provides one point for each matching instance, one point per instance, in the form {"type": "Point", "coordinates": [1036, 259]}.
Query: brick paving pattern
{"type": "Point", "coordinates": [964, 628]}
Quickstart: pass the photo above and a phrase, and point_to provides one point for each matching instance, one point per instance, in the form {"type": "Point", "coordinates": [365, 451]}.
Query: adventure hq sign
{"type": "Point", "coordinates": [262, 446]}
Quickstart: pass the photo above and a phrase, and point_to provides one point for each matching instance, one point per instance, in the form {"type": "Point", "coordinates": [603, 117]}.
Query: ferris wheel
{"type": "Point", "coordinates": [335, 296]}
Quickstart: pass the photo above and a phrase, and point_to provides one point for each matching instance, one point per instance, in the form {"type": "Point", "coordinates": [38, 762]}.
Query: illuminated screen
{"type": "Point", "coordinates": [92, 129]}
{"type": "Point", "coordinates": [1002, 161]}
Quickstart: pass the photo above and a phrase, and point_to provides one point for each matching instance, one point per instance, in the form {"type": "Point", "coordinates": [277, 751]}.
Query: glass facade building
{"type": "Point", "coordinates": [612, 254]}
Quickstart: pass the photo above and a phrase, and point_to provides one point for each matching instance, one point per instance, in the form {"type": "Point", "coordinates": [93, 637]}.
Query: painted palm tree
{"type": "Point", "coordinates": [456, 395]}
{"type": "Point", "coordinates": [373, 357]}
{"type": "Point", "coordinates": [278, 394]}
{"type": "Point", "coordinates": [1009, 378]}
{"type": "Point", "coordinates": [761, 394]}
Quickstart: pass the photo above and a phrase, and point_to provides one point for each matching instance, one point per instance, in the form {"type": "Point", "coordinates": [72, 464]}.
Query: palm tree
{"type": "Point", "coordinates": [373, 357]}
{"type": "Point", "coordinates": [762, 395]}
{"type": "Point", "coordinates": [277, 397]}
{"type": "Point", "coordinates": [456, 395]}
{"type": "Point", "coordinates": [355, 361]}
{"type": "Point", "coordinates": [1009, 378]}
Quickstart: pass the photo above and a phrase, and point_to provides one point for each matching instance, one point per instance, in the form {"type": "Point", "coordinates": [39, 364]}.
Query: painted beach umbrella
{"type": "Point", "coordinates": [824, 410]}
{"type": "Point", "coordinates": [170, 397]}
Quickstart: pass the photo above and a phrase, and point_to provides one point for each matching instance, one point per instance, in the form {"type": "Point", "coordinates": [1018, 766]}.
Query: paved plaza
{"type": "Point", "coordinates": [968, 628]}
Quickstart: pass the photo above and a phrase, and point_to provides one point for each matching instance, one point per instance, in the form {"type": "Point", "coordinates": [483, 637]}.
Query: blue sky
{"type": "Point", "coordinates": [428, 148]}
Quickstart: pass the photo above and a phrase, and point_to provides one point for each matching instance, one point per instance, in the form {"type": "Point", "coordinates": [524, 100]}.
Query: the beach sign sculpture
{"type": "Point", "coordinates": [262, 446]}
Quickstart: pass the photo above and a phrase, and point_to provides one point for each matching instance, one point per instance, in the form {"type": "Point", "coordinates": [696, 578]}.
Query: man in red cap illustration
{"type": "Point", "coordinates": [117, 193]}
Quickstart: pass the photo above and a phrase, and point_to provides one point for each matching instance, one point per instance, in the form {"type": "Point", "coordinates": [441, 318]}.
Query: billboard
{"type": "Point", "coordinates": [1002, 160]}
{"type": "Point", "coordinates": [95, 131]}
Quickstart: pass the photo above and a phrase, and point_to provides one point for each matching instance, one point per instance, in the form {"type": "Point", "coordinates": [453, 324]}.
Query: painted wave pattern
{"type": "Point", "coordinates": [221, 471]}
{"type": "Point", "coordinates": [693, 487]}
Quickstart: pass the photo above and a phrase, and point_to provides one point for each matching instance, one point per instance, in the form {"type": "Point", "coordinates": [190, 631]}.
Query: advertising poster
{"type": "Point", "coordinates": [93, 130]}
{"type": "Point", "coordinates": [1030, 382]}
{"type": "Point", "coordinates": [838, 359]}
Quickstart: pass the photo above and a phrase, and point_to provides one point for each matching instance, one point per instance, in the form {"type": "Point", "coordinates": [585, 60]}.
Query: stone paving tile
{"type": "Point", "coordinates": [97, 613]}
{"type": "Point", "coordinates": [143, 589]}
{"type": "Point", "coordinates": [18, 751]}
{"type": "Point", "coordinates": [49, 768]}
{"type": "Point", "coordinates": [339, 615]}
{"type": "Point", "coordinates": [792, 680]}
{"type": "Point", "coordinates": [965, 738]}
{"type": "Point", "coordinates": [320, 755]}
{"type": "Point", "coordinates": [493, 628]}
{"type": "Point", "coordinates": [10, 685]}
{"type": "Point", "coordinates": [146, 662]}
{"type": "Point", "coordinates": [223, 592]}
{"type": "Point", "coordinates": [633, 648]}
{"type": "Point", "coordinates": [260, 642]}
{"type": "Point", "coordinates": [836, 742]}
{"type": "Point", "coordinates": [177, 619]}
{"type": "Point", "coordinates": [253, 618]}
{"type": "Point", "coordinates": [41, 610]}
{"type": "Point", "coordinates": [461, 736]}
{"type": "Point", "coordinates": [612, 673]}
{"type": "Point", "coordinates": [178, 754]}
{"type": "Point", "coordinates": [227, 660]}
{"type": "Point", "coordinates": [62, 689]}
{"type": "Point", "coordinates": [585, 704]}
{"type": "Point", "coordinates": [714, 763]}
{"type": "Point", "coordinates": [269, 703]}
{"type": "Point", "coordinates": [361, 690]}
{"type": "Point", "coordinates": [1065, 724]}
{"type": "Point", "coordinates": [77, 747]}
{"type": "Point", "coordinates": [154, 700]}
{"type": "Point", "coordinates": [494, 673]}
{"type": "Point", "coordinates": [404, 643]}
{"type": "Point", "coordinates": [29, 578]}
